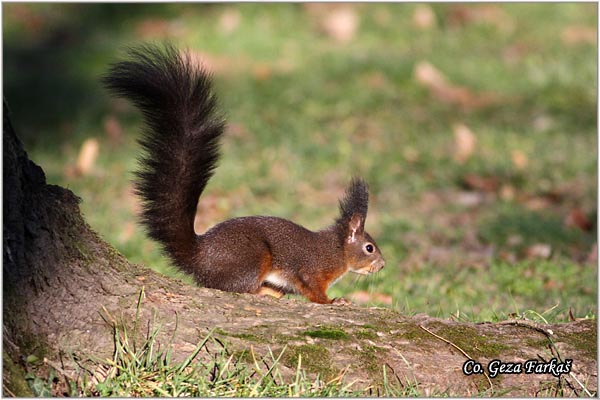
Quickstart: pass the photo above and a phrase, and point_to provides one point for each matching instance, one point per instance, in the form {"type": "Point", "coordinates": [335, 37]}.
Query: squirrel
{"type": "Point", "coordinates": [180, 143]}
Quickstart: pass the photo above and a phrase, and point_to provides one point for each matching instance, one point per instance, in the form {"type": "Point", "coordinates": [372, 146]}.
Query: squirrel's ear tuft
{"type": "Point", "coordinates": [354, 203]}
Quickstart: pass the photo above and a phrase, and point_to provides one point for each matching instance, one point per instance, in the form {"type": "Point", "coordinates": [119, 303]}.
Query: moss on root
{"type": "Point", "coordinates": [586, 343]}
{"type": "Point", "coordinates": [472, 343]}
{"type": "Point", "coordinates": [326, 332]}
{"type": "Point", "coordinates": [14, 378]}
{"type": "Point", "coordinates": [313, 358]}
{"type": "Point", "coordinates": [368, 361]}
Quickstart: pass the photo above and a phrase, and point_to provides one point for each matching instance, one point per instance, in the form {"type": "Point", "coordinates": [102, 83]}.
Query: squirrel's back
{"type": "Point", "coordinates": [180, 140]}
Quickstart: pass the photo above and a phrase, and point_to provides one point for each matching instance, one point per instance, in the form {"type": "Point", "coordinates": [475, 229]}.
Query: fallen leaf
{"type": "Point", "coordinates": [538, 203]}
{"type": "Point", "coordinates": [577, 218]}
{"type": "Point", "coordinates": [341, 24]}
{"type": "Point", "coordinates": [507, 192]}
{"type": "Point", "coordinates": [262, 71]}
{"type": "Point", "coordinates": [87, 156]}
{"type": "Point", "coordinates": [573, 35]}
{"type": "Point", "coordinates": [489, 14]}
{"type": "Point", "coordinates": [230, 20]}
{"type": "Point", "coordinates": [464, 143]}
{"type": "Point", "coordinates": [212, 63]}
{"type": "Point", "coordinates": [152, 27]}
{"type": "Point", "coordinates": [514, 240]}
{"type": "Point", "coordinates": [423, 17]}
{"type": "Point", "coordinates": [158, 27]}
{"type": "Point", "coordinates": [552, 284]}
{"type": "Point", "coordinates": [519, 159]}
{"type": "Point", "coordinates": [482, 183]}
{"type": "Point", "coordinates": [223, 65]}
{"type": "Point", "coordinates": [542, 123]}
{"type": "Point", "coordinates": [469, 199]}
{"type": "Point", "coordinates": [539, 250]}
{"type": "Point", "coordinates": [431, 78]}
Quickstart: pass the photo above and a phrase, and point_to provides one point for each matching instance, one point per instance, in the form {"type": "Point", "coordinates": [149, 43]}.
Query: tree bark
{"type": "Point", "coordinates": [64, 288]}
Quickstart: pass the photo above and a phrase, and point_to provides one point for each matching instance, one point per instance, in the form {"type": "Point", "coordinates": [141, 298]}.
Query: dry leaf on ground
{"type": "Point", "coordinates": [230, 20]}
{"type": "Point", "coordinates": [482, 183]}
{"type": "Point", "coordinates": [223, 65]}
{"type": "Point", "coordinates": [87, 156]}
{"type": "Point", "coordinates": [539, 250]}
{"type": "Point", "coordinates": [431, 78]}
{"type": "Point", "coordinates": [537, 203]}
{"type": "Point", "coordinates": [490, 14]}
{"type": "Point", "coordinates": [507, 192]}
{"type": "Point", "coordinates": [159, 28]}
{"type": "Point", "coordinates": [423, 17]}
{"type": "Point", "coordinates": [573, 35]}
{"type": "Point", "coordinates": [262, 71]}
{"type": "Point", "coordinates": [464, 143]}
{"type": "Point", "coordinates": [577, 218]}
{"type": "Point", "coordinates": [519, 159]}
{"type": "Point", "coordinates": [341, 24]}
{"type": "Point", "coordinates": [214, 64]}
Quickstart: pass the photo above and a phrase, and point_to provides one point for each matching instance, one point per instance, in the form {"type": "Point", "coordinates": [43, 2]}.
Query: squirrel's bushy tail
{"type": "Point", "coordinates": [180, 140]}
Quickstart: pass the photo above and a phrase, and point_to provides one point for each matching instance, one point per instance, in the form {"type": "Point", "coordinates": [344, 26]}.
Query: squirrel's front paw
{"type": "Point", "coordinates": [341, 301]}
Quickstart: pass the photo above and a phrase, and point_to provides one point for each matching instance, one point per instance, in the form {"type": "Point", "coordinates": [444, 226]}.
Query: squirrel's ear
{"type": "Point", "coordinates": [355, 227]}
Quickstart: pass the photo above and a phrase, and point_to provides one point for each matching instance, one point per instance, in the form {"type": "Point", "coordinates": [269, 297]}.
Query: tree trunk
{"type": "Point", "coordinates": [64, 288]}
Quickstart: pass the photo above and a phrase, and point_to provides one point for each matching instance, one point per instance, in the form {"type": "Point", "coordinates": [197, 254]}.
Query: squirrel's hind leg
{"type": "Point", "coordinates": [241, 272]}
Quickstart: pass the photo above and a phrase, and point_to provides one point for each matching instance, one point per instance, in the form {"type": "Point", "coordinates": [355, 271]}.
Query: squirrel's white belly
{"type": "Point", "coordinates": [275, 279]}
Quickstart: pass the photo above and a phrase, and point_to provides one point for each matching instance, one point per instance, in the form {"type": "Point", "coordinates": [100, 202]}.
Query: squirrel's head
{"type": "Point", "coordinates": [361, 252]}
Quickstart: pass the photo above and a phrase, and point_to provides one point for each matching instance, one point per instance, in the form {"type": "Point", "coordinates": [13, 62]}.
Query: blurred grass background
{"type": "Point", "coordinates": [474, 124]}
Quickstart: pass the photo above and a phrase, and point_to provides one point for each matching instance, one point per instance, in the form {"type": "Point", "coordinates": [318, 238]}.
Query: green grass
{"type": "Point", "coordinates": [308, 112]}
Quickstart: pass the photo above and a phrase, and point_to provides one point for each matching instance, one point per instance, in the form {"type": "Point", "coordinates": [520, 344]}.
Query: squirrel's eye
{"type": "Point", "coordinates": [369, 248]}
